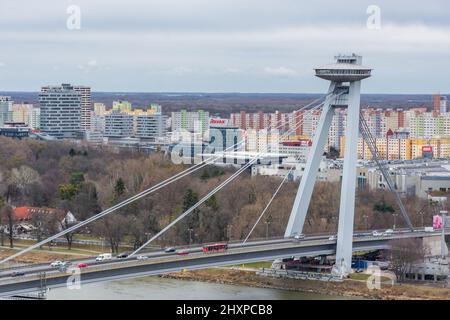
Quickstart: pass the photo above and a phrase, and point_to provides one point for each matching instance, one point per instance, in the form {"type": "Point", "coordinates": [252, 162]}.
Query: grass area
{"type": "Point", "coordinates": [364, 277]}
{"type": "Point", "coordinates": [256, 265]}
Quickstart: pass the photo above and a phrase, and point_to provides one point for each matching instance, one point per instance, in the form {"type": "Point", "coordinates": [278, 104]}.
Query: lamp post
{"type": "Point", "coordinates": [366, 221]}
{"type": "Point", "coordinates": [395, 220]}
{"type": "Point", "coordinates": [190, 235]}
{"type": "Point", "coordinates": [421, 213]}
{"type": "Point", "coordinates": [229, 234]}
{"type": "Point", "coordinates": [444, 251]}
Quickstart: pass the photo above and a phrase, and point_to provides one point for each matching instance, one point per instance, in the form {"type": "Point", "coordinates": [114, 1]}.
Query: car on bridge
{"type": "Point", "coordinates": [141, 257]}
{"type": "Point", "coordinates": [299, 236]}
{"type": "Point", "coordinates": [182, 252]}
{"type": "Point", "coordinates": [170, 250]}
{"type": "Point", "coordinates": [377, 234]}
{"type": "Point", "coordinates": [104, 256]}
{"type": "Point", "coordinates": [56, 264]}
{"type": "Point", "coordinates": [82, 265]}
{"type": "Point", "coordinates": [17, 274]}
{"type": "Point", "coordinates": [333, 238]}
{"type": "Point", "coordinates": [123, 255]}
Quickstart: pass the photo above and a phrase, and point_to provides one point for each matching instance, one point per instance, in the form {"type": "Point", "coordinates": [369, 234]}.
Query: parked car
{"type": "Point", "coordinates": [123, 255]}
{"type": "Point", "coordinates": [182, 252]}
{"type": "Point", "coordinates": [169, 250]}
{"type": "Point", "coordinates": [56, 264]}
{"type": "Point", "coordinates": [82, 265]}
{"type": "Point", "coordinates": [141, 257]}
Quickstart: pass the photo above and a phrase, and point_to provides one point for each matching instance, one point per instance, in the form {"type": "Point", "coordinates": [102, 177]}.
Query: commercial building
{"type": "Point", "coordinates": [423, 178]}
{"type": "Point", "coordinates": [18, 130]}
{"type": "Point", "coordinates": [61, 111]}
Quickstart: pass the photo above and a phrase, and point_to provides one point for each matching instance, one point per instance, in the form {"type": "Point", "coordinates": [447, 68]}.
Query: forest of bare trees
{"type": "Point", "coordinates": [87, 180]}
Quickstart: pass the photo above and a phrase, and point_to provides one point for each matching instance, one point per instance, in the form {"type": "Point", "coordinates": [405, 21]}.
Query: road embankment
{"type": "Point", "coordinates": [349, 288]}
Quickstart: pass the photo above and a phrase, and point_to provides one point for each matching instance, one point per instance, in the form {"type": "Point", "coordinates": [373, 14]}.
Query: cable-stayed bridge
{"type": "Point", "coordinates": [345, 77]}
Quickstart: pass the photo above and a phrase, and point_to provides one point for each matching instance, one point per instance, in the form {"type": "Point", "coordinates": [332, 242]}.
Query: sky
{"type": "Point", "coordinates": [222, 45]}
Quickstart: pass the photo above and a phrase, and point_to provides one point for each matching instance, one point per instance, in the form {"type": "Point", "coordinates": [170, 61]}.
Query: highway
{"type": "Point", "coordinates": [160, 262]}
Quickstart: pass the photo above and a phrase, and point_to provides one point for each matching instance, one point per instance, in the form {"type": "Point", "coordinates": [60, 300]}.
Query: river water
{"type": "Point", "coordinates": [162, 288]}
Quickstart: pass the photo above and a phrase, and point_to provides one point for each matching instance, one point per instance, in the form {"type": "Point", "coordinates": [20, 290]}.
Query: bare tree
{"type": "Point", "coordinates": [7, 213]}
{"type": "Point", "coordinates": [2, 229]}
{"type": "Point", "coordinates": [114, 228]}
{"type": "Point", "coordinates": [402, 254]}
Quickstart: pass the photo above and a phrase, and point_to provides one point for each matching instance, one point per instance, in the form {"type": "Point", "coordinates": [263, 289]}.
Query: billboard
{"type": "Point", "coordinates": [427, 152]}
{"type": "Point", "coordinates": [218, 122]}
{"type": "Point", "coordinates": [427, 149]}
{"type": "Point", "coordinates": [437, 222]}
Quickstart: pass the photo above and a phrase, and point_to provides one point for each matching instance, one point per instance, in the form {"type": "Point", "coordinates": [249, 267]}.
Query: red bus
{"type": "Point", "coordinates": [216, 247]}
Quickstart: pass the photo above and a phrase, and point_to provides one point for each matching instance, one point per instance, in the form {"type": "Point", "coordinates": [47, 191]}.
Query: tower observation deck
{"type": "Point", "coordinates": [347, 68]}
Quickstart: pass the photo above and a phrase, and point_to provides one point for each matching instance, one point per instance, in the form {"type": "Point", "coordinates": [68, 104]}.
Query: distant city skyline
{"type": "Point", "coordinates": [222, 46]}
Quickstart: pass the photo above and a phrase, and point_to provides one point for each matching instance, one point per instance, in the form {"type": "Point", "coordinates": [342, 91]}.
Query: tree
{"type": "Point", "coordinates": [77, 178]}
{"type": "Point", "coordinates": [2, 230]}
{"type": "Point", "coordinates": [67, 191]}
{"type": "Point", "coordinates": [64, 225]}
{"type": "Point", "coordinates": [383, 207]}
{"type": "Point", "coordinates": [402, 254]}
{"type": "Point", "coordinates": [44, 224]}
{"type": "Point", "coordinates": [8, 213]}
{"type": "Point", "coordinates": [333, 153]}
{"type": "Point", "coordinates": [119, 188]}
{"type": "Point", "coordinates": [23, 176]}
{"type": "Point", "coordinates": [113, 228]}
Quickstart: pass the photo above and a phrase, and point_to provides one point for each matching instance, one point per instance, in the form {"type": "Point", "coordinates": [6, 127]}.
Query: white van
{"type": "Point", "coordinates": [104, 256]}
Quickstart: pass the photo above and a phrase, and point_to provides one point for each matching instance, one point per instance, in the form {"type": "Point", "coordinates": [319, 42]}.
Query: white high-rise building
{"type": "Point", "coordinates": [85, 98]}
{"type": "Point", "coordinates": [60, 111]}
{"type": "Point", "coordinates": [5, 109]}
{"type": "Point", "coordinates": [150, 126]}
{"type": "Point", "coordinates": [86, 106]}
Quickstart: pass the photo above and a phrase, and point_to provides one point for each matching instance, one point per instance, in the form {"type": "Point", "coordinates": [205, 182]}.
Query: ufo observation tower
{"type": "Point", "coordinates": [345, 77]}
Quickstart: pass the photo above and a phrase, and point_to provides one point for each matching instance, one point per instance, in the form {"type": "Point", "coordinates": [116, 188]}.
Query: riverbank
{"type": "Point", "coordinates": [348, 288]}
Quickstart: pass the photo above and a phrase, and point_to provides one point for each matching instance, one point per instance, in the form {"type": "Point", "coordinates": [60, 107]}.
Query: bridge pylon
{"type": "Point", "coordinates": [345, 77]}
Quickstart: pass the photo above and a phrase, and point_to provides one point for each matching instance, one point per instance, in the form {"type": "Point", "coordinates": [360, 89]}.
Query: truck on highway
{"type": "Point", "coordinates": [103, 257]}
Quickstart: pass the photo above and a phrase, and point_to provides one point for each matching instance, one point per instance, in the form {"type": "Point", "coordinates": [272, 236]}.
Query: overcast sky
{"type": "Point", "coordinates": [222, 45]}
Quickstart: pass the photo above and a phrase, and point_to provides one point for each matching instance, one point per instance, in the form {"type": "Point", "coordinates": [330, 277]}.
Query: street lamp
{"type": "Point", "coordinates": [421, 213]}
{"type": "Point", "coordinates": [190, 235]}
{"type": "Point", "coordinates": [229, 234]}
{"type": "Point", "coordinates": [366, 220]}
{"type": "Point", "coordinates": [395, 219]}
{"type": "Point", "coordinates": [267, 228]}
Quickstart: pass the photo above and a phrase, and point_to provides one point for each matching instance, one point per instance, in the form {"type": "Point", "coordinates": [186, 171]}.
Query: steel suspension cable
{"type": "Point", "coordinates": [134, 198]}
